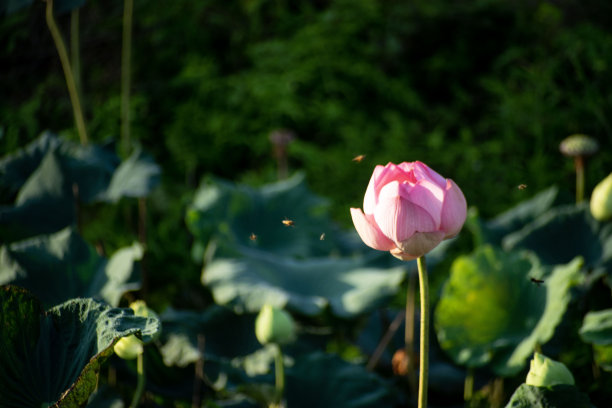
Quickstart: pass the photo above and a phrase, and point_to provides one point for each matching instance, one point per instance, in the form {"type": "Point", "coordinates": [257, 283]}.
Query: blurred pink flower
{"type": "Point", "coordinates": [409, 209]}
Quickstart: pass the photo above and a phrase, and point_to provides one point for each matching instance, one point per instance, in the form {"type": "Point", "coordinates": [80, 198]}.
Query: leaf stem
{"type": "Point", "coordinates": [424, 339]}
{"type": "Point", "coordinates": [141, 381]}
{"type": "Point", "coordinates": [126, 56]}
{"type": "Point", "coordinates": [468, 386]}
{"type": "Point", "coordinates": [70, 81]}
{"type": "Point", "coordinates": [279, 372]}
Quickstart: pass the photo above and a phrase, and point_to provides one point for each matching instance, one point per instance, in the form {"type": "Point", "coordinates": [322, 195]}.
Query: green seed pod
{"type": "Point", "coordinates": [579, 145]}
{"type": "Point", "coordinates": [545, 372]}
{"type": "Point", "coordinates": [274, 325]}
{"type": "Point", "coordinates": [128, 348]}
{"type": "Point", "coordinates": [601, 199]}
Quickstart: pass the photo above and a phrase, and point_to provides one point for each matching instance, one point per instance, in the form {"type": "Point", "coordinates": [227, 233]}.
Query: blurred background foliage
{"type": "Point", "coordinates": [483, 91]}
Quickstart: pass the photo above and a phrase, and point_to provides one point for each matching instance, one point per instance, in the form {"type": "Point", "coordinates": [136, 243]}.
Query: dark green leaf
{"type": "Point", "coordinates": [597, 327]}
{"type": "Point", "coordinates": [54, 357]}
{"type": "Point", "coordinates": [559, 396]}
{"type": "Point", "coordinates": [63, 266]}
{"type": "Point", "coordinates": [491, 312]}
{"type": "Point", "coordinates": [348, 286]}
{"type": "Point", "coordinates": [46, 191]}
{"type": "Point", "coordinates": [563, 233]}
{"type": "Point", "coordinates": [254, 218]}
{"type": "Point", "coordinates": [323, 380]}
{"type": "Point", "coordinates": [226, 335]}
{"type": "Point", "coordinates": [135, 177]}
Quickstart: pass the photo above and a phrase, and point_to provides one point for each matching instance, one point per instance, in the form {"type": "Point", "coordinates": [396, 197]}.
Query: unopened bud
{"type": "Point", "coordinates": [130, 347]}
{"type": "Point", "coordinates": [601, 199]}
{"type": "Point", "coordinates": [274, 325]}
{"type": "Point", "coordinates": [545, 372]}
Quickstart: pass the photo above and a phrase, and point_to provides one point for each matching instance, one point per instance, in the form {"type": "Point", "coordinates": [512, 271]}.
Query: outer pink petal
{"type": "Point", "coordinates": [454, 210]}
{"type": "Point", "coordinates": [422, 171]}
{"type": "Point", "coordinates": [381, 177]}
{"type": "Point", "coordinates": [428, 196]}
{"type": "Point", "coordinates": [397, 217]}
{"type": "Point", "coordinates": [419, 244]}
{"type": "Point", "coordinates": [369, 232]}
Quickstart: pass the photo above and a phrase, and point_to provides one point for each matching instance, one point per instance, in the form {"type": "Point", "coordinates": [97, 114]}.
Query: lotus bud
{"type": "Point", "coordinates": [601, 199]}
{"type": "Point", "coordinates": [408, 209]}
{"type": "Point", "coordinates": [130, 347]}
{"type": "Point", "coordinates": [274, 325]}
{"type": "Point", "coordinates": [545, 372]}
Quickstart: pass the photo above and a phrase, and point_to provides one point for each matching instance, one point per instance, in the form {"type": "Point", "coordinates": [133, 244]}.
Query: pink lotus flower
{"type": "Point", "coordinates": [409, 209]}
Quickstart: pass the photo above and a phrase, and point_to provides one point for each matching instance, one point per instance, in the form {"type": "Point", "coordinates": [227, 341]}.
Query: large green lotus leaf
{"type": "Point", "coordinates": [346, 285]}
{"type": "Point", "coordinates": [559, 396]}
{"type": "Point", "coordinates": [52, 358]}
{"type": "Point", "coordinates": [563, 233]}
{"type": "Point", "coordinates": [324, 380]}
{"type": "Point", "coordinates": [253, 217]}
{"type": "Point", "coordinates": [47, 191]}
{"type": "Point", "coordinates": [62, 266]}
{"type": "Point", "coordinates": [491, 312]}
{"type": "Point", "coordinates": [226, 335]}
{"type": "Point", "coordinates": [597, 327]}
{"type": "Point", "coordinates": [135, 177]}
{"type": "Point", "coordinates": [520, 215]}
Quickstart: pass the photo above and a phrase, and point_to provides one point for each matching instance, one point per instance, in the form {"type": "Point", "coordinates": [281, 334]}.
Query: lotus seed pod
{"type": "Point", "coordinates": [579, 145]}
{"type": "Point", "coordinates": [601, 200]}
{"type": "Point", "coordinates": [545, 372]}
{"type": "Point", "coordinates": [128, 348]}
{"type": "Point", "coordinates": [274, 325]}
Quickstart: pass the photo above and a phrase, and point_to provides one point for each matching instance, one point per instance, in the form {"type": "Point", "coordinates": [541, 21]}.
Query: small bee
{"type": "Point", "coordinates": [322, 237]}
{"type": "Point", "coordinates": [253, 237]}
{"type": "Point", "coordinates": [359, 158]}
{"type": "Point", "coordinates": [537, 281]}
{"type": "Point", "coordinates": [288, 223]}
{"type": "Point", "coordinates": [522, 186]}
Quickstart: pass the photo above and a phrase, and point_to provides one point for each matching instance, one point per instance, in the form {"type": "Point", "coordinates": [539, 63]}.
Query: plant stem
{"type": "Point", "coordinates": [409, 333]}
{"type": "Point", "coordinates": [279, 372]}
{"type": "Point", "coordinates": [75, 57]}
{"type": "Point", "coordinates": [468, 386]}
{"type": "Point", "coordinates": [579, 165]}
{"type": "Point", "coordinates": [70, 82]}
{"type": "Point", "coordinates": [424, 346]}
{"type": "Point", "coordinates": [141, 381]}
{"type": "Point", "coordinates": [126, 56]}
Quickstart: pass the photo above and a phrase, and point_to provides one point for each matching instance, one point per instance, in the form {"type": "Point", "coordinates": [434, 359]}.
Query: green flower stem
{"type": "Point", "coordinates": [279, 371]}
{"type": "Point", "coordinates": [126, 56]}
{"type": "Point", "coordinates": [141, 380]}
{"type": "Point", "coordinates": [579, 165]}
{"type": "Point", "coordinates": [424, 346]}
{"type": "Point", "coordinates": [70, 81]}
{"type": "Point", "coordinates": [409, 333]}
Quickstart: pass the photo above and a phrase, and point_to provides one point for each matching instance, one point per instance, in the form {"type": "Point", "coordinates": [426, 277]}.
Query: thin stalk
{"type": "Point", "coordinates": [579, 165]}
{"type": "Point", "coordinates": [409, 333]}
{"type": "Point", "coordinates": [395, 324]}
{"type": "Point", "coordinates": [70, 81]}
{"type": "Point", "coordinates": [468, 386]}
{"type": "Point", "coordinates": [279, 372]}
{"type": "Point", "coordinates": [141, 381]}
{"type": "Point", "coordinates": [126, 56]}
{"type": "Point", "coordinates": [424, 339]}
{"type": "Point", "coordinates": [75, 53]}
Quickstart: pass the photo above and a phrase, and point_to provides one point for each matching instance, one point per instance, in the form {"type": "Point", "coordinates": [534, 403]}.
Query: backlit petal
{"type": "Point", "coordinates": [397, 217]}
{"type": "Point", "coordinates": [369, 232]}
{"type": "Point", "coordinates": [426, 195]}
{"type": "Point", "coordinates": [454, 210]}
{"type": "Point", "coordinates": [422, 171]}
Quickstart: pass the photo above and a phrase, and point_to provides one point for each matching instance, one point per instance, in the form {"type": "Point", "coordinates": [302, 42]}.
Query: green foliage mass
{"type": "Point", "coordinates": [482, 91]}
